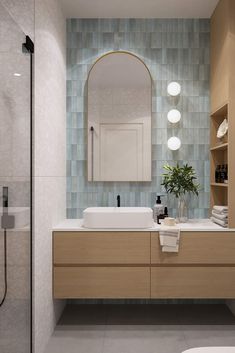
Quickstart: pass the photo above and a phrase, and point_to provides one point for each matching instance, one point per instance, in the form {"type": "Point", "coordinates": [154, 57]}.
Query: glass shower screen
{"type": "Point", "coordinates": [15, 189]}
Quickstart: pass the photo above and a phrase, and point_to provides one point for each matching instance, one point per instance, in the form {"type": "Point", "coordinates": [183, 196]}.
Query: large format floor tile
{"type": "Point", "coordinates": [77, 339]}
{"type": "Point", "coordinates": [141, 328]}
{"type": "Point", "coordinates": [209, 335]}
{"type": "Point", "coordinates": [148, 339]}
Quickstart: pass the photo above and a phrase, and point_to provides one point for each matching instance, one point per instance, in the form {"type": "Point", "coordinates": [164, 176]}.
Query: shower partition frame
{"type": "Point", "coordinates": [29, 47]}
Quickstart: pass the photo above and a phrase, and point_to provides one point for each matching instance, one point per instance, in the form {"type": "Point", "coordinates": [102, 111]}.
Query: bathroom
{"type": "Point", "coordinates": [73, 280]}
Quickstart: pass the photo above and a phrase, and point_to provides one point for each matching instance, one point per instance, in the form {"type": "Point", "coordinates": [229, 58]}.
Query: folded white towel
{"type": "Point", "coordinates": [169, 240]}
{"type": "Point", "coordinates": [220, 222]}
{"type": "Point", "coordinates": [220, 212]}
{"type": "Point", "coordinates": [220, 208]}
{"type": "Point", "coordinates": [220, 216]}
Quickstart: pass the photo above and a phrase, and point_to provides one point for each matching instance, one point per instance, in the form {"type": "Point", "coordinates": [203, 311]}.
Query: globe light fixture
{"type": "Point", "coordinates": [174, 143]}
{"type": "Point", "coordinates": [174, 89]}
{"type": "Point", "coordinates": [174, 116]}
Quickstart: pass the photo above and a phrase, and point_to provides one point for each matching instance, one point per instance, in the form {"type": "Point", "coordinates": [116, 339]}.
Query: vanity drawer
{"type": "Point", "coordinates": [71, 248]}
{"type": "Point", "coordinates": [193, 282]}
{"type": "Point", "coordinates": [197, 248]}
{"type": "Point", "coordinates": [101, 282]}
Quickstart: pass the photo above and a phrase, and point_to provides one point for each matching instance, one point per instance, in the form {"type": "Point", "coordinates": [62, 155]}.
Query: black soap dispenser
{"type": "Point", "coordinates": [158, 208]}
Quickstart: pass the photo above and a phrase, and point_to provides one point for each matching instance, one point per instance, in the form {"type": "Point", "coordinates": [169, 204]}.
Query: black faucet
{"type": "Point", "coordinates": [118, 201]}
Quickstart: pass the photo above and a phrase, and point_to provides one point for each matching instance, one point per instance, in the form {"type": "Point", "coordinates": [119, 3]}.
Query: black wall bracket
{"type": "Point", "coordinates": [28, 46]}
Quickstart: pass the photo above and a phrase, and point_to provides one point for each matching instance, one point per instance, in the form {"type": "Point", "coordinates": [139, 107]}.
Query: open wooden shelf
{"type": "Point", "coordinates": [221, 112]}
{"type": "Point", "coordinates": [221, 147]}
{"type": "Point", "coordinates": [216, 119]}
{"type": "Point", "coordinates": [222, 98]}
{"type": "Point", "coordinates": [219, 156]}
{"type": "Point", "coordinates": [224, 185]}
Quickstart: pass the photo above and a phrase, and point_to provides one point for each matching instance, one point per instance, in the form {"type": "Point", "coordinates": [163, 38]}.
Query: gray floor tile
{"type": "Point", "coordinates": [77, 339]}
{"type": "Point", "coordinates": [209, 335]}
{"type": "Point", "coordinates": [142, 328]}
{"type": "Point", "coordinates": [83, 315]}
{"type": "Point", "coordinates": [128, 315]}
{"type": "Point", "coordinates": [215, 314]}
{"type": "Point", "coordinates": [164, 314]}
{"type": "Point", "coordinates": [147, 339]}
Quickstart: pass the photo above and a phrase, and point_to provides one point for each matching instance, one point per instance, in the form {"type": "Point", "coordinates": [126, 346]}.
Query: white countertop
{"type": "Point", "coordinates": [197, 225]}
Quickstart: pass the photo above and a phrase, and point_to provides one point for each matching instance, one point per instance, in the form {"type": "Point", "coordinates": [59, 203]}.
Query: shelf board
{"type": "Point", "coordinates": [221, 147]}
{"type": "Point", "coordinates": [220, 185]}
{"type": "Point", "coordinates": [220, 112]}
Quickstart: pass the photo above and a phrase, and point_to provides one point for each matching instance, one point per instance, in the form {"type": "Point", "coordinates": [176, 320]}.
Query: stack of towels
{"type": "Point", "coordinates": [169, 239]}
{"type": "Point", "coordinates": [220, 215]}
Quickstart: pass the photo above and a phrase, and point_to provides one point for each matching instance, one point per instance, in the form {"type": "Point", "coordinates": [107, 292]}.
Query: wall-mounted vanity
{"type": "Point", "coordinates": [120, 263]}
{"type": "Point", "coordinates": [119, 119]}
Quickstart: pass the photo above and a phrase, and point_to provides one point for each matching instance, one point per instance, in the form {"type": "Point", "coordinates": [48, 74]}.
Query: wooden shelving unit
{"type": "Point", "coordinates": [219, 156]}
{"type": "Point", "coordinates": [223, 185]}
{"type": "Point", "coordinates": [222, 98]}
{"type": "Point", "coordinates": [221, 147]}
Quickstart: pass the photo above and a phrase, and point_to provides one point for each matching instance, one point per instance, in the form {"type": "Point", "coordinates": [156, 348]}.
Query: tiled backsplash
{"type": "Point", "coordinates": [173, 50]}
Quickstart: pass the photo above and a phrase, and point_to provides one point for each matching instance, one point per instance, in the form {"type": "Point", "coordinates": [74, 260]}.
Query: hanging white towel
{"type": "Point", "coordinates": [170, 248]}
{"type": "Point", "coordinates": [169, 239]}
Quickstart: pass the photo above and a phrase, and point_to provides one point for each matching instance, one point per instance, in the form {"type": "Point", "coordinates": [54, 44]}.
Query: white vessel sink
{"type": "Point", "coordinates": [118, 217]}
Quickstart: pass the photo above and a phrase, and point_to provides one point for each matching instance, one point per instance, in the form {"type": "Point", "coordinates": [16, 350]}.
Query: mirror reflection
{"type": "Point", "coordinates": [119, 119]}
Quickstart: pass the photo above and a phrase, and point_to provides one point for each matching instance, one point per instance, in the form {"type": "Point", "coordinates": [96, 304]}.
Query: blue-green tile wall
{"type": "Point", "coordinates": [173, 50]}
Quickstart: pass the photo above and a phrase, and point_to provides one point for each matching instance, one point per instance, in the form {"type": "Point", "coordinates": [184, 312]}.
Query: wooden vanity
{"type": "Point", "coordinates": [130, 264]}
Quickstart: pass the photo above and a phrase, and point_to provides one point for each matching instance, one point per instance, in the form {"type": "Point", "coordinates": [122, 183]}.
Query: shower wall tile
{"type": "Point", "coordinates": [22, 13]}
{"type": "Point", "coordinates": [49, 97]}
{"type": "Point", "coordinates": [48, 210]}
{"type": "Point", "coordinates": [172, 49]}
{"type": "Point", "coordinates": [50, 159]}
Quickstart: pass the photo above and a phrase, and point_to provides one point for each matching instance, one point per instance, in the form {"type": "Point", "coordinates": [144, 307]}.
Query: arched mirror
{"type": "Point", "coordinates": [119, 119]}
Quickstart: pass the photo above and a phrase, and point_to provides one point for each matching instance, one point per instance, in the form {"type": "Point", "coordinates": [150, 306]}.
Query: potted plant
{"type": "Point", "coordinates": [180, 181]}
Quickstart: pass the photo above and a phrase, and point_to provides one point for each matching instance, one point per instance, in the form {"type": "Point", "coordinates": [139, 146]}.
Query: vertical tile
{"type": "Point", "coordinates": [173, 49]}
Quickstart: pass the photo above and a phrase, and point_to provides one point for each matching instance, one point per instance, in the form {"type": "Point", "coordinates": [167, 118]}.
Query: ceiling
{"type": "Point", "coordinates": [138, 8]}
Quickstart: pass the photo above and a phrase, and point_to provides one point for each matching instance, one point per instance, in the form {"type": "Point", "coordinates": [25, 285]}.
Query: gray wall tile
{"type": "Point", "coordinates": [173, 49]}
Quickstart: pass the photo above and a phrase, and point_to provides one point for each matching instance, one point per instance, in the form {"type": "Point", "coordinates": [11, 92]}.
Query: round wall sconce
{"type": "Point", "coordinates": [174, 116]}
{"type": "Point", "coordinates": [174, 143]}
{"type": "Point", "coordinates": [174, 89]}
